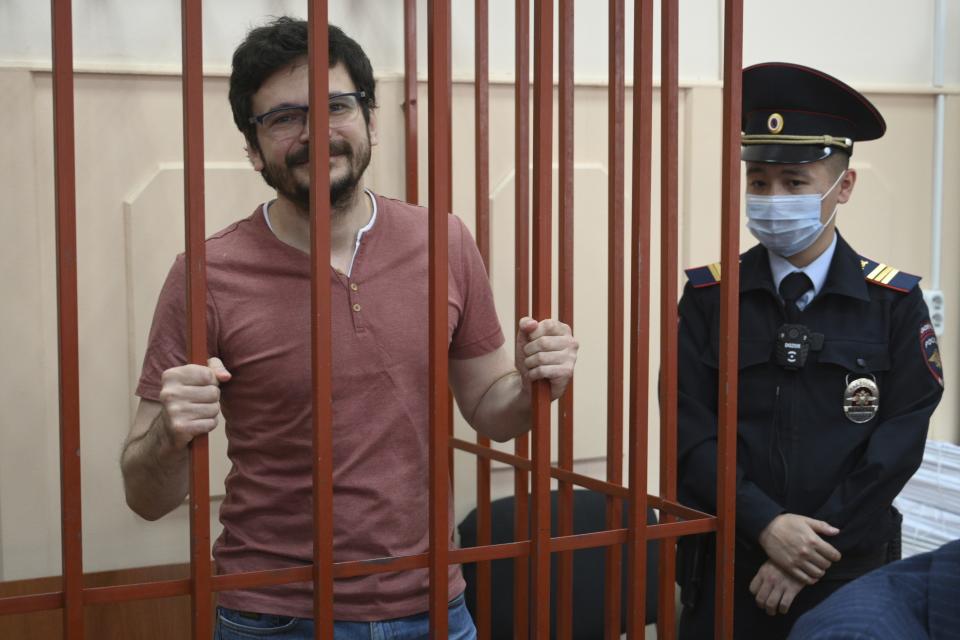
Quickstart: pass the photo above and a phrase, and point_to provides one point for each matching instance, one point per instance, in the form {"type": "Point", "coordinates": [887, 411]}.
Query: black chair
{"type": "Point", "coordinates": [589, 515]}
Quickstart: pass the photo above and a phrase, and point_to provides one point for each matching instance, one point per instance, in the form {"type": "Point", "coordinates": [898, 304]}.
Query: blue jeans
{"type": "Point", "coordinates": [233, 625]}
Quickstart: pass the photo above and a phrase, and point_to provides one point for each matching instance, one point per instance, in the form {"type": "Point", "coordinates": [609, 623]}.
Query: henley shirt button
{"type": "Point", "coordinates": [861, 362]}
{"type": "Point", "coordinates": [356, 307]}
{"type": "Point", "coordinates": [353, 286]}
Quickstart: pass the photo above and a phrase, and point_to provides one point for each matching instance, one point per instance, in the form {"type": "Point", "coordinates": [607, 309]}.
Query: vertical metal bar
{"type": "Point", "coordinates": [669, 185]}
{"type": "Point", "coordinates": [729, 316]}
{"type": "Point", "coordinates": [320, 322]}
{"type": "Point", "coordinates": [564, 590]}
{"type": "Point", "coordinates": [449, 209]}
{"type": "Point", "coordinates": [615, 183]}
{"type": "Point", "coordinates": [521, 514]}
{"type": "Point", "coordinates": [439, 198]}
{"type": "Point", "coordinates": [191, 15]}
{"type": "Point", "coordinates": [482, 199]}
{"type": "Point", "coordinates": [482, 123]}
{"type": "Point", "coordinates": [640, 314]}
{"type": "Point", "coordinates": [542, 283]}
{"type": "Point", "coordinates": [410, 99]}
{"type": "Point", "coordinates": [67, 332]}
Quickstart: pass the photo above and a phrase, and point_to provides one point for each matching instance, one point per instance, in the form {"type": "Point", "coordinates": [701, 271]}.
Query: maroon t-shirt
{"type": "Point", "coordinates": [258, 319]}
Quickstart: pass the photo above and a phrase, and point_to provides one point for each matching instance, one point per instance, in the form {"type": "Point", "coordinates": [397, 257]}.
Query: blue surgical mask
{"type": "Point", "coordinates": [788, 224]}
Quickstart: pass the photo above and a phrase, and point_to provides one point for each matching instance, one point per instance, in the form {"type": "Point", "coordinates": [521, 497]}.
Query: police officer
{"type": "Point", "coordinates": [838, 367]}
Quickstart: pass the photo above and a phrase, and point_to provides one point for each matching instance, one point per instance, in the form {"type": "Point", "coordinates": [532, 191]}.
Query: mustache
{"type": "Point", "coordinates": [302, 155]}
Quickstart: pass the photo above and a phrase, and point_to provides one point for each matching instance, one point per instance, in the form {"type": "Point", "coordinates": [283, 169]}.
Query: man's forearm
{"type": "Point", "coordinates": [155, 474]}
{"type": "Point", "coordinates": [503, 412]}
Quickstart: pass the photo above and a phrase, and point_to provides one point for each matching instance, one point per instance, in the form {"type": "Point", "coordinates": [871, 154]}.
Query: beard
{"type": "Point", "coordinates": [281, 177]}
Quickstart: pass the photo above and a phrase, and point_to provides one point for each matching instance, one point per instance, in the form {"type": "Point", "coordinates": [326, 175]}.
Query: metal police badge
{"type": "Point", "coordinates": [861, 400]}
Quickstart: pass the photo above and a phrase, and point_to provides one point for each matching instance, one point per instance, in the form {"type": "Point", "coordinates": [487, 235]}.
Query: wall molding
{"type": "Point", "coordinates": [219, 71]}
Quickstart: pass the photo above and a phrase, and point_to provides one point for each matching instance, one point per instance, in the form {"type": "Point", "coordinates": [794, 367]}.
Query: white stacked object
{"type": "Point", "coordinates": [930, 502]}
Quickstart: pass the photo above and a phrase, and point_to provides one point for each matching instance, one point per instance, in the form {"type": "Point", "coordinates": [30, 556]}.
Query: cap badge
{"type": "Point", "coordinates": [775, 123]}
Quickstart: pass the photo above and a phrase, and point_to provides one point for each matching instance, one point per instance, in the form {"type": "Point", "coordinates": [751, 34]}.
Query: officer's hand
{"type": "Point", "coordinates": [190, 396]}
{"type": "Point", "coordinates": [794, 543]}
{"type": "Point", "coordinates": [546, 350]}
{"type": "Point", "coordinates": [774, 589]}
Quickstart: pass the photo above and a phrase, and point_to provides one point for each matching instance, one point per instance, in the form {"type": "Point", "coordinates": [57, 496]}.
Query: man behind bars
{"type": "Point", "coordinates": [259, 372]}
{"type": "Point", "coordinates": [839, 370]}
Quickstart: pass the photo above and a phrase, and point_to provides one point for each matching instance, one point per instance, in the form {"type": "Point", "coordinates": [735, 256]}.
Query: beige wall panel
{"type": "Point", "coordinates": [125, 127]}
{"type": "Point", "coordinates": [129, 228]}
{"type": "Point", "coordinates": [700, 178]}
{"type": "Point", "coordinates": [29, 536]}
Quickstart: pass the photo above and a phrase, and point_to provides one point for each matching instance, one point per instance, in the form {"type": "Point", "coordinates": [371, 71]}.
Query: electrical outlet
{"type": "Point", "coordinates": [935, 304]}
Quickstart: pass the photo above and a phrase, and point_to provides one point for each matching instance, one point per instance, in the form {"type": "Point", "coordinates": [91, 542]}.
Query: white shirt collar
{"type": "Point", "coordinates": [817, 270]}
{"type": "Point", "coordinates": [360, 232]}
{"type": "Point", "coordinates": [363, 230]}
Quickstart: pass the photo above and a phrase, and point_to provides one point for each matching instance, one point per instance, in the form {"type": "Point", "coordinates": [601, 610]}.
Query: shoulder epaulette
{"type": "Point", "coordinates": [885, 276]}
{"type": "Point", "coordinates": [705, 276]}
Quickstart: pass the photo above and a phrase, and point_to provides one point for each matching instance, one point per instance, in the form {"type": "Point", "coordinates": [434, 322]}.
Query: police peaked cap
{"type": "Point", "coordinates": [795, 114]}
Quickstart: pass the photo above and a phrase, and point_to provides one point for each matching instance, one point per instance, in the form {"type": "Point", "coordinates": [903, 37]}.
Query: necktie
{"type": "Point", "coordinates": [791, 288]}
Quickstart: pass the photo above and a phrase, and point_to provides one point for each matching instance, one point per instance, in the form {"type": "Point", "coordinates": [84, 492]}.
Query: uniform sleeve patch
{"type": "Point", "coordinates": [931, 351]}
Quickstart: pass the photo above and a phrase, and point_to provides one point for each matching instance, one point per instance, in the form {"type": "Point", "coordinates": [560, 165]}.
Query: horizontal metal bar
{"type": "Point", "coordinates": [588, 540]}
{"type": "Point", "coordinates": [675, 509]}
{"type": "Point", "coordinates": [264, 578]}
{"type": "Point", "coordinates": [131, 592]}
{"type": "Point", "coordinates": [619, 536]}
{"type": "Point", "coordinates": [31, 603]}
{"type": "Point", "coordinates": [587, 482]}
{"type": "Point", "coordinates": [578, 479]}
{"type": "Point", "coordinates": [490, 552]}
{"type": "Point", "coordinates": [271, 577]}
{"type": "Point", "coordinates": [523, 464]}
{"type": "Point", "coordinates": [685, 528]}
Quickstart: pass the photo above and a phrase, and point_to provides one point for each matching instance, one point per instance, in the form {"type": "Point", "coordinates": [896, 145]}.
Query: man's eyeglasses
{"type": "Point", "coordinates": [288, 122]}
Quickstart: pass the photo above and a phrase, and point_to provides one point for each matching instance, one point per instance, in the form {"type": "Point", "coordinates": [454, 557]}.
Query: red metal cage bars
{"type": "Point", "coordinates": [410, 94]}
{"type": "Point", "coordinates": [439, 198]}
{"type": "Point", "coordinates": [615, 308]}
{"type": "Point", "coordinates": [69, 372]}
{"type": "Point", "coordinates": [564, 582]}
{"type": "Point", "coordinates": [482, 204]}
{"type": "Point", "coordinates": [521, 257]}
{"type": "Point", "coordinates": [669, 186]}
{"type": "Point", "coordinates": [481, 127]}
{"type": "Point", "coordinates": [542, 545]}
{"type": "Point", "coordinates": [729, 316]}
{"type": "Point", "coordinates": [191, 20]}
{"type": "Point", "coordinates": [640, 314]}
{"type": "Point", "coordinates": [320, 322]}
{"type": "Point", "coordinates": [542, 289]}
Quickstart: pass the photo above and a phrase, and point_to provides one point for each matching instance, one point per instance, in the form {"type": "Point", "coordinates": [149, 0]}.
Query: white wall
{"type": "Point", "coordinates": [877, 42]}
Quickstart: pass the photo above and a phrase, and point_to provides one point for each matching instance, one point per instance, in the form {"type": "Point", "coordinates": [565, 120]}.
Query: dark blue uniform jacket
{"type": "Point", "coordinates": [797, 451]}
{"type": "Point", "coordinates": [915, 598]}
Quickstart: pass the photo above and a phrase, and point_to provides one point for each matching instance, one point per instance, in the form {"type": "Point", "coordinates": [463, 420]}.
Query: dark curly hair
{"type": "Point", "coordinates": [274, 46]}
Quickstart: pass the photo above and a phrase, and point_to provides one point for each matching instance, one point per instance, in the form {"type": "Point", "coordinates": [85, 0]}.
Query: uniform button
{"type": "Point", "coordinates": [356, 307]}
{"type": "Point", "coordinates": [861, 362]}
{"type": "Point", "coordinates": [353, 286]}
